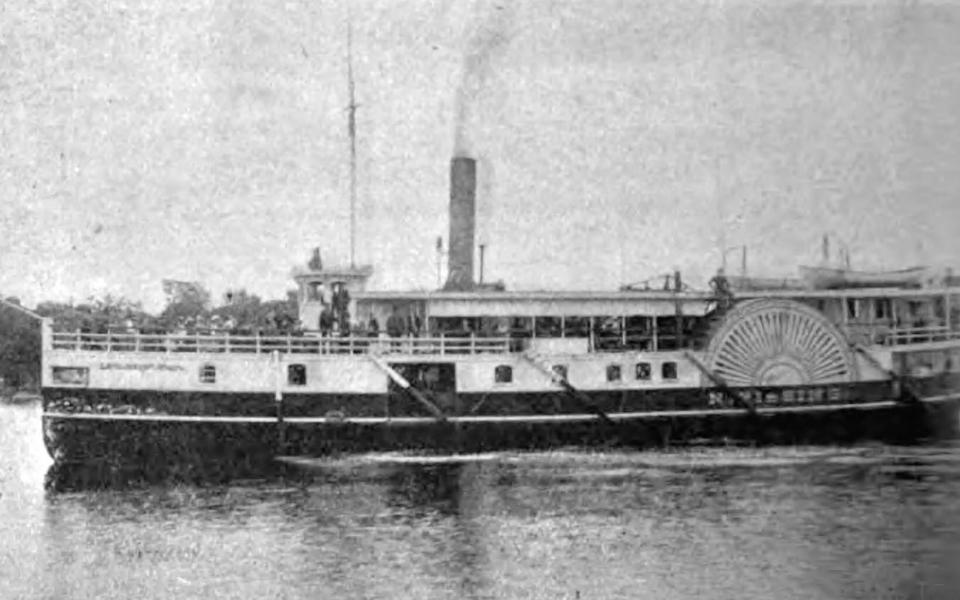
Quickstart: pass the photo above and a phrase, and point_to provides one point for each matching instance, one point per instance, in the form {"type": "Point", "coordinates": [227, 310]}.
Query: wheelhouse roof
{"type": "Point", "coordinates": [546, 303]}
{"type": "Point", "coordinates": [485, 303]}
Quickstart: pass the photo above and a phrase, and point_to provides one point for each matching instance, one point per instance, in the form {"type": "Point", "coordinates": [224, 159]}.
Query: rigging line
{"type": "Point", "coordinates": [352, 130]}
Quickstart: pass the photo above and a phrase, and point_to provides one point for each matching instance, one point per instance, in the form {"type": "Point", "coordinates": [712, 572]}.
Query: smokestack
{"type": "Point", "coordinates": [463, 200]}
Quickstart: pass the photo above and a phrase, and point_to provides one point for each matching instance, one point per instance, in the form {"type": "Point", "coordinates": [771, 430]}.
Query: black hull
{"type": "Point", "coordinates": [217, 447]}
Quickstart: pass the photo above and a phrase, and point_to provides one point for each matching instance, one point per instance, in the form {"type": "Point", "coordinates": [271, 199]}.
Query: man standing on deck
{"type": "Point", "coordinates": [326, 321]}
{"type": "Point", "coordinates": [396, 326]}
{"type": "Point", "coordinates": [721, 290]}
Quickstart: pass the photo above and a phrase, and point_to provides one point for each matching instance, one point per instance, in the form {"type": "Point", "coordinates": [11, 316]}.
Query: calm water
{"type": "Point", "coordinates": [864, 522]}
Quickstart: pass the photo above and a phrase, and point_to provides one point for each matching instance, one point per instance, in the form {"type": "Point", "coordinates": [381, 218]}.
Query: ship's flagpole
{"type": "Point", "coordinates": [352, 130]}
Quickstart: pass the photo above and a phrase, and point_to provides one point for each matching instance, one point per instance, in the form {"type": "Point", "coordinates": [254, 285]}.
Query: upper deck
{"type": "Point", "coordinates": [572, 334]}
{"type": "Point", "coordinates": [488, 320]}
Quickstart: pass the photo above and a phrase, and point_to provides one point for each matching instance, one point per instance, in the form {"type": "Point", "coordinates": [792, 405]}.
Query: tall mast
{"type": "Point", "coordinates": [352, 129]}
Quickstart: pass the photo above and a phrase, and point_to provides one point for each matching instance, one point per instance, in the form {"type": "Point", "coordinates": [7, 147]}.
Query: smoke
{"type": "Point", "coordinates": [491, 33]}
{"type": "Point", "coordinates": [485, 190]}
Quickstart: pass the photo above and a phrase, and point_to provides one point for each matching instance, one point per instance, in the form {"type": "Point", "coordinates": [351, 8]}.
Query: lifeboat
{"type": "Point", "coordinates": [833, 278]}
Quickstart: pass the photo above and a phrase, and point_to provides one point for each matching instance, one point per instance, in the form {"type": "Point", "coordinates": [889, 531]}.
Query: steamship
{"type": "Point", "coordinates": [473, 368]}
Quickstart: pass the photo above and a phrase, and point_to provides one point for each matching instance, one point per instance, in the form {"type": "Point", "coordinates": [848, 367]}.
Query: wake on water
{"type": "Point", "coordinates": [597, 463]}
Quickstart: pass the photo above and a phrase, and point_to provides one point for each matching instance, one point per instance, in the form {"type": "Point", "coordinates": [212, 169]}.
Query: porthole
{"type": "Point", "coordinates": [613, 372]}
{"type": "Point", "coordinates": [643, 371]}
{"type": "Point", "coordinates": [668, 370]}
{"type": "Point", "coordinates": [296, 375]}
{"type": "Point", "coordinates": [503, 374]}
{"type": "Point", "coordinates": [208, 374]}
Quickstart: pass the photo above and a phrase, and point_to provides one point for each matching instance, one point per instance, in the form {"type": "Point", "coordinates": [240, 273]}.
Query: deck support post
{"type": "Point", "coordinates": [278, 401]}
{"type": "Point", "coordinates": [946, 313]}
{"type": "Point", "coordinates": [653, 333]}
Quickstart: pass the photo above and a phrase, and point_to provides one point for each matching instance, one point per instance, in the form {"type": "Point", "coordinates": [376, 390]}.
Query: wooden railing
{"type": "Point", "coordinates": [257, 344]}
{"type": "Point", "coordinates": [438, 345]}
{"type": "Point", "coordinates": [919, 335]}
{"type": "Point", "coordinates": [899, 336]}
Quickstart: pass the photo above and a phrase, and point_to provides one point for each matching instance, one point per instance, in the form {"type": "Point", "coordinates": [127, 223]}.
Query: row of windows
{"type": "Point", "coordinates": [883, 308]}
{"type": "Point", "coordinates": [642, 371]}
{"type": "Point", "coordinates": [297, 374]}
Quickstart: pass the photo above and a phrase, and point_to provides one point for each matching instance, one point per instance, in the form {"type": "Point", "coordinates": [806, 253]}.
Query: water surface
{"type": "Point", "coordinates": [812, 522]}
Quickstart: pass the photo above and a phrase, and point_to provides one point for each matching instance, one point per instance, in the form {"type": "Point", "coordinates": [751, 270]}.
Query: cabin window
{"type": "Point", "coordinates": [643, 371]}
{"type": "Point", "coordinates": [576, 327]}
{"type": "Point", "coordinates": [882, 308]}
{"type": "Point", "coordinates": [547, 327]}
{"type": "Point", "coordinates": [666, 328]}
{"type": "Point", "coordinates": [208, 374]}
{"type": "Point", "coordinates": [939, 309]}
{"type": "Point", "coordinates": [560, 370]}
{"type": "Point", "coordinates": [639, 332]}
{"type": "Point", "coordinates": [613, 372]}
{"type": "Point", "coordinates": [668, 370]}
{"type": "Point", "coordinates": [503, 374]}
{"type": "Point", "coordinates": [71, 375]}
{"type": "Point", "coordinates": [296, 375]}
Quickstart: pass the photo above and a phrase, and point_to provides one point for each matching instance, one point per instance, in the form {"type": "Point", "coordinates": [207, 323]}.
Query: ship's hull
{"type": "Point", "coordinates": [240, 435]}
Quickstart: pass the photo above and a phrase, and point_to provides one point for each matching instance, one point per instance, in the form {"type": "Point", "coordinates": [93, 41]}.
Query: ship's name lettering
{"type": "Point", "coordinates": [782, 397]}
{"type": "Point", "coordinates": [142, 367]}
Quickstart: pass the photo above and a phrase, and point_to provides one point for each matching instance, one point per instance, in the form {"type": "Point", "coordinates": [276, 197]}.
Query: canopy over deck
{"type": "Point", "coordinates": [530, 304]}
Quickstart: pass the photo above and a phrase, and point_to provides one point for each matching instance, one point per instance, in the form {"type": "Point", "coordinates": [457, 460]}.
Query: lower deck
{"type": "Point", "coordinates": [239, 434]}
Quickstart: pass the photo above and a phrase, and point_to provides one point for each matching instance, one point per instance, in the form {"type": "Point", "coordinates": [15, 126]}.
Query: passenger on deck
{"type": "Point", "coordinates": [721, 289]}
{"type": "Point", "coordinates": [373, 327]}
{"type": "Point", "coordinates": [488, 327]}
{"type": "Point", "coordinates": [327, 321]}
{"type": "Point", "coordinates": [396, 326]}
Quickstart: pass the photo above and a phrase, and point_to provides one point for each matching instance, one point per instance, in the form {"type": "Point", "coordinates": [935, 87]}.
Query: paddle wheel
{"type": "Point", "coordinates": [778, 342]}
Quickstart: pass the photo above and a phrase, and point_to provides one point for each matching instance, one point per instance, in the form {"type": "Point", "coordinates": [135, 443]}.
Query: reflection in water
{"type": "Point", "coordinates": [861, 522]}
{"type": "Point", "coordinates": [420, 525]}
{"type": "Point", "coordinates": [422, 489]}
{"type": "Point", "coordinates": [454, 492]}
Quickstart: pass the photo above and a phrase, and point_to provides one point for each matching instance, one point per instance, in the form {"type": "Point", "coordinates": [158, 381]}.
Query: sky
{"type": "Point", "coordinates": [616, 140]}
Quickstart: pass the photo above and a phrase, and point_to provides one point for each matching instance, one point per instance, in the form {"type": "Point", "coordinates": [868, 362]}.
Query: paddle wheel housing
{"type": "Point", "coordinates": [779, 342]}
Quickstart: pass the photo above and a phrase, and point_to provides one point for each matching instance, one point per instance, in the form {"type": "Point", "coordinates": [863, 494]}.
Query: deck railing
{"type": "Point", "coordinates": [442, 345]}
{"type": "Point", "coordinates": [919, 335]}
{"type": "Point", "coordinates": [258, 344]}
{"type": "Point", "coordinates": [899, 336]}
